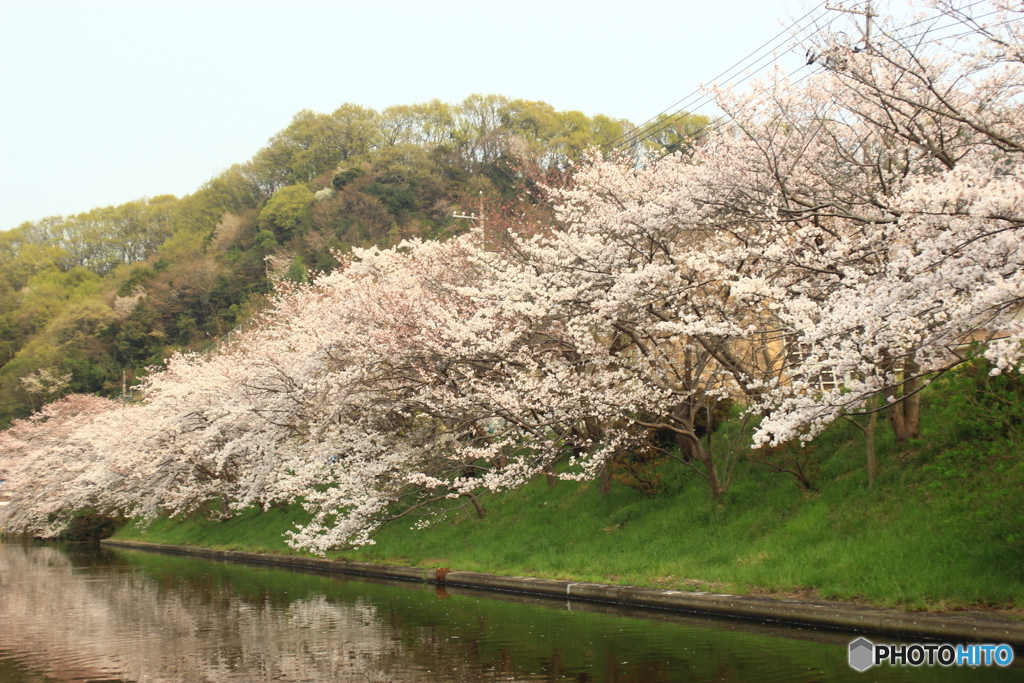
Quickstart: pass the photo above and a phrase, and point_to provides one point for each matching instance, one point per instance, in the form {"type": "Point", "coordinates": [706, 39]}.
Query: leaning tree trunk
{"type": "Point", "coordinates": [904, 399]}
{"type": "Point", "coordinates": [685, 414]}
{"type": "Point", "coordinates": [549, 474]}
{"type": "Point", "coordinates": [717, 490]}
{"type": "Point", "coordinates": [869, 438]}
{"type": "Point", "coordinates": [869, 446]}
{"type": "Point", "coordinates": [691, 448]}
{"type": "Point", "coordinates": [905, 411]}
{"type": "Point", "coordinates": [480, 511]}
{"type": "Point", "coordinates": [591, 434]}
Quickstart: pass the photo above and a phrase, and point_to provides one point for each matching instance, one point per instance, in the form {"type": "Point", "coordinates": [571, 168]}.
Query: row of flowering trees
{"type": "Point", "coordinates": [834, 247]}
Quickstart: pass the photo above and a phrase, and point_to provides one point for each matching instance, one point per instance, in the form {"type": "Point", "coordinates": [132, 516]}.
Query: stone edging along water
{"type": "Point", "coordinates": [949, 627]}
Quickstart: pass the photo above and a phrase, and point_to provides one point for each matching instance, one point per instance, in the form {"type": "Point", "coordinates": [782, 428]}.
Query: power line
{"type": "Point", "coordinates": [730, 69]}
{"type": "Point", "coordinates": [700, 79]}
{"type": "Point", "coordinates": [704, 98]}
{"type": "Point", "coordinates": [735, 124]}
{"type": "Point", "coordinates": [642, 132]}
{"type": "Point", "coordinates": [693, 136]}
{"type": "Point", "coordinates": [671, 120]}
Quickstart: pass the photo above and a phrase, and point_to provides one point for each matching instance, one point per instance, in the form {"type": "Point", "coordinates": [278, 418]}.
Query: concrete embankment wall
{"type": "Point", "coordinates": [948, 627]}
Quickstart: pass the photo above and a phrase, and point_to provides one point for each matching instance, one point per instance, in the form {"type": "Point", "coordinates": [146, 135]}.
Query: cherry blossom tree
{"type": "Point", "coordinates": [841, 241]}
{"type": "Point", "coordinates": [48, 466]}
{"type": "Point", "coordinates": [894, 179]}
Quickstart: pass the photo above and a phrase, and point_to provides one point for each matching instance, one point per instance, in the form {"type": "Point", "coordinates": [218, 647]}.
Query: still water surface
{"type": "Point", "coordinates": [80, 613]}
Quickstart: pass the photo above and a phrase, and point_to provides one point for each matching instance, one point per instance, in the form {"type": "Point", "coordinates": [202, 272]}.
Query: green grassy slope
{"type": "Point", "coordinates": [934, 532]}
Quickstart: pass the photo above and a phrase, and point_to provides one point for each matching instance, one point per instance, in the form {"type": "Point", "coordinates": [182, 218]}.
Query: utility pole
{"type": "Point", "coordinates": [867, 13]}
{"type": "Point", "coordinates": [473, 218]}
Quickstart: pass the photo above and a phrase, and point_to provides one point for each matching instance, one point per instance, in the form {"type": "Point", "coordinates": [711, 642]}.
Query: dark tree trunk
{"type": "Point", "coordinates": [480, 511]}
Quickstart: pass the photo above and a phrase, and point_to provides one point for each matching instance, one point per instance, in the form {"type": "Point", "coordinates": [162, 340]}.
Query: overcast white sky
{"type": "Point", "coordinates": [105, 101]}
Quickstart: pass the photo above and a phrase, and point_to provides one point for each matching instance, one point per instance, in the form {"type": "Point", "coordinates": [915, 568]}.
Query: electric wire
{"type": "Point", "coordinates": [706, 99]}
{"type": "Point", "coordinates": [693, 136]}
{"type": "Point", "coordinates": [681, 107]}
{"type": "Point", "coordinates": [728, 70]}
{"type": "Point", "coordinates": [669, 121]}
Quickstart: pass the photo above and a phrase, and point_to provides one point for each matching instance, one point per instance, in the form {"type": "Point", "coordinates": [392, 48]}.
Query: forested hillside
{"type": "Point", "coordinates": [88, 302]}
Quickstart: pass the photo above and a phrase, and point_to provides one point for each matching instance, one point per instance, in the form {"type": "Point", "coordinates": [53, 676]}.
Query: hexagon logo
{"type": "Point", "coordinates": [862, 654]}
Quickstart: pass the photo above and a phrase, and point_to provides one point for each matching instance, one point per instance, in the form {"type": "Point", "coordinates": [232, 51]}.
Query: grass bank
{"type": "Point", "coordinates": [941, 529]}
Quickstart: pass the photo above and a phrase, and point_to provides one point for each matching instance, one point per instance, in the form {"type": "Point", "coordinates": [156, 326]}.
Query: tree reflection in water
{"type": "Point", "coordinates": [75, 625]}
{"type": "Point", "coordinates": [85, 614]}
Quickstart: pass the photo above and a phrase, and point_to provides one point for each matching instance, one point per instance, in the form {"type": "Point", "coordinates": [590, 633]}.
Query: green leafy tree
{"type": "Point", "coordinates": [675, 132]}
{"type": "Point", "coordinates": [138, 339]}
{"type": "Point", "coordinates": [288, 213]}
{"type": "Point", "coordinates": [298, 272]}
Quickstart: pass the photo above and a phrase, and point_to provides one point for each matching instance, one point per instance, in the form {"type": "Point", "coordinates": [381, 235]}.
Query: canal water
{"type": "Point", "coordinates": [81, 613]}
